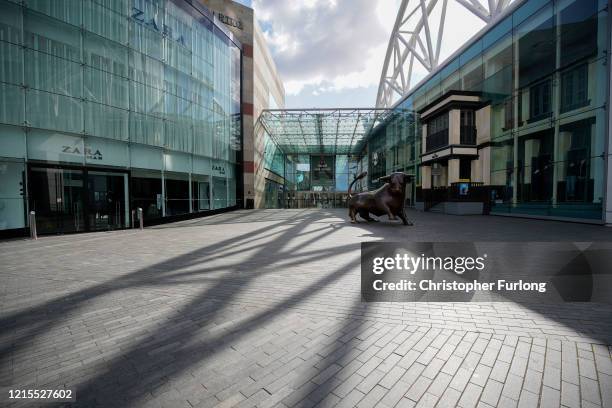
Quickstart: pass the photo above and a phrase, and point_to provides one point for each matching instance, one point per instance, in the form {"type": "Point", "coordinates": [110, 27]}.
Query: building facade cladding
{"type": "Point", "coordinates": [261, 89]}
{"type": "Point", "coordinates": [539, 80]}
{"type": "Point", "coordinates": [268, 93]}
{"type": "Point", "coordinates": [109, 106]}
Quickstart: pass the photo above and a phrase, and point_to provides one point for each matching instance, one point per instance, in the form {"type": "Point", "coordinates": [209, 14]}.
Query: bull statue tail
{"type": "Point", "coordinates": [359, 177]}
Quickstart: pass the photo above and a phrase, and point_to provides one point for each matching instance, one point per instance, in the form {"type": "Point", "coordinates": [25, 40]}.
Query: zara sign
{"type": "Point", "coordinates": [218, 169]}
{"type": "Point", "coordinates": [150, 21]}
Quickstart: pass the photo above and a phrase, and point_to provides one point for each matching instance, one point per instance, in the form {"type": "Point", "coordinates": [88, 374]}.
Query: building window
{"type": "Point", "coordinates": [578, 30]}
{"type": "Point", "coordinates": [536, 166]}
{"type": "Point", "coordinates": [536, 45]}
{"type": "Point", "coordinates": [396, 154]}
{"type": "Point", "coordinates": [574, 88]}
{"type": "Point", "coordinates": [437, 132]}
{"type": "Point", "coordinates": [467, 133]}
{"type": "Point", "coordinates": [577, 180]}
{"type": "Point", "coordinates": [465, 169]}
{"type": "Point", "coordinates": [508, 114]}
{"type": "Point", "coordinates": [539, 101]}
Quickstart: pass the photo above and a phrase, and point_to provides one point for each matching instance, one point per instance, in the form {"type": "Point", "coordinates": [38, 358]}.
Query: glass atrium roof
{"type": "Point", "coordinates": [331, 131]}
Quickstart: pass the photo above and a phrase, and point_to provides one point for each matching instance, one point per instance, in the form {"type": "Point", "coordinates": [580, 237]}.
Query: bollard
{"type": "Point", "coordinates": [140, 218]}
{"type": "Point", "coordinates": [33, 233]}
{"type": "Point", "coordinates": [133, 224]}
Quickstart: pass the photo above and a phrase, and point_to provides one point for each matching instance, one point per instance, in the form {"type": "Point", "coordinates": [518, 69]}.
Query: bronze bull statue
{"type": "Point", "coordinates": [388, 199]}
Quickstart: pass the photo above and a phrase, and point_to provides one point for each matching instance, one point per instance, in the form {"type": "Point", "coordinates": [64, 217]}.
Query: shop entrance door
{"type": "Point", "coordinates": [57, 197]}
{"type": "Point", "coordinates": [74, 200]}
{"type": "Point", "coordinates": [107, 204]}
{"type": "Point", "coordinates": [219, 192]}
{"type": "Point", "coordinates": [203, 198]}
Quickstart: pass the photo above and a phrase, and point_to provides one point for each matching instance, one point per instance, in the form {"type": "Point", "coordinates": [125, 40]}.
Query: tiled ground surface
{"type": "Point", "coordinates": [262, 308]}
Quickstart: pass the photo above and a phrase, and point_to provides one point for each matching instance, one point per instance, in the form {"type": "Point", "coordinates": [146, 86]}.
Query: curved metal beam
{"type": "Point", "coordinates": [412, 43]}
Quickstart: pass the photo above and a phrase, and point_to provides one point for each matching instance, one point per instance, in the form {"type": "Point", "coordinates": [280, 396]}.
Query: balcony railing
{"type": "Point", "coordinates": [437, 140]}
{"type": "Point", "coordinates": [468, 135]}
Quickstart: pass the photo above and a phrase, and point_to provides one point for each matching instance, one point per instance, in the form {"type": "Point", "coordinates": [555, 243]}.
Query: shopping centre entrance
{"type": "Point", "coordinates": [311, 156]}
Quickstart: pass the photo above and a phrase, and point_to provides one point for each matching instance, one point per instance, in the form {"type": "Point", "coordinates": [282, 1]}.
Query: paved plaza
{"type": "Point", "coordinates": [262, 308]}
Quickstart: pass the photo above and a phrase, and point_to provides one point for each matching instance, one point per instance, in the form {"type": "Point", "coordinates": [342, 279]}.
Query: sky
{"type": "Point", "coordinates": [330, 53]}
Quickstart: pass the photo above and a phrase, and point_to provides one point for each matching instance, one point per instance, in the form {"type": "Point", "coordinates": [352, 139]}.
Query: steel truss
{"type": "Point", "coordinates": [417, 38]}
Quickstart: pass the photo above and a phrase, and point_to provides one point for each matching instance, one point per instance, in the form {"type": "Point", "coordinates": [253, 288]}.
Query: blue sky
{"type": "Point", "coordinates": [330, 53]}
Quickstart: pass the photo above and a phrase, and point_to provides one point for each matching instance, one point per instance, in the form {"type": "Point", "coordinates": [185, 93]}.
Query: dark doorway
{"type": "Point", "coordinates": [57, 197]}
{"type": "Point", "coordinates": [74, 200]}
{"type": "Point", "coordinates": [106, 200]}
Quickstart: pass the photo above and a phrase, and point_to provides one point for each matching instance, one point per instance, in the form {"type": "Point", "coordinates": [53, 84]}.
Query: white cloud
{"type": "Point", "coordinates": [324, 46]}
{"type": "Point", "coordinates": [331, 44]}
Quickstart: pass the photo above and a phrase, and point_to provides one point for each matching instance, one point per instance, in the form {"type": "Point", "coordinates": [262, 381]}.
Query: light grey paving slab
{"type": "Point", "coordinates": [263, 308]}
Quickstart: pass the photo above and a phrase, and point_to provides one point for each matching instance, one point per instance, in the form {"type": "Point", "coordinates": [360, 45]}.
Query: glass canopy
{"type": "Point", "coordinates": [330, 131]}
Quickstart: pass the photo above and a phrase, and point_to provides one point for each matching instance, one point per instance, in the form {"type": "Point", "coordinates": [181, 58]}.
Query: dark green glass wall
{"type": "Point", "coordinates": [544, 70]}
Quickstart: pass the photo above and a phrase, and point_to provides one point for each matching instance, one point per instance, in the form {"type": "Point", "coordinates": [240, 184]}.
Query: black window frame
{"type": "Point", "coordinates": [437, 131]}
{"type": "Point", "coordinates": [540, 101]}
{"type": "Point", "coordinates": [467, 127]}
{"type": "Point", "coordinates": [575, 88]}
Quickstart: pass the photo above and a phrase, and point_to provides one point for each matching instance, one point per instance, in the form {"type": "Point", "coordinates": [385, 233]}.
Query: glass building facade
{"type": "Point", "coordinates": [310, 154]}
{"type": "Point", "coordinates": [394, 146]}
{"type": "Point", "coordinates": [543, 71]}
{"type": "Point", "coordinates": [111, 105]}
{"type": "Point", "coordinates": [307, 180]}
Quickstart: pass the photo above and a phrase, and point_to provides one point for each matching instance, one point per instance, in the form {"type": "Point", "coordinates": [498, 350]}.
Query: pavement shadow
{"type": "Point", "coordinates": [141, 370]}
{"type": "Point", "coordinates": [135, 373]}
{"type": "Point", "coordinates": [247, 217]}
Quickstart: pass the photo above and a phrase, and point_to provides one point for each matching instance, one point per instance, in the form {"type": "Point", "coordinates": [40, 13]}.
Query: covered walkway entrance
{"type": "Point", "coordinates": [312, 155]}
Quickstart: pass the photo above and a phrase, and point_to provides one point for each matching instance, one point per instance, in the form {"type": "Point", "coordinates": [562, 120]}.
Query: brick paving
{"type": "Point", "coordinates": [262, 308]}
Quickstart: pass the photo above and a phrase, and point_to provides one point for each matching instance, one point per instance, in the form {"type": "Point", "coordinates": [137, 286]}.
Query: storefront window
{"type": "Point", "coordinates": [177, 193]}
{"type": "Point", "coordinates": [535, 168]}
{"type": "Point", "coordinates": [219, 192]}
{"type": "Point", "coordinates": [502, 170]}
{"type": "Point", "coordinates": [146, 193]}
{"type": "Point", "coordinates": [12, 188]}
{"type": "Point", "coordinates": [200, 191]}
{"type": "Point", "coordinates": [58, 199]}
